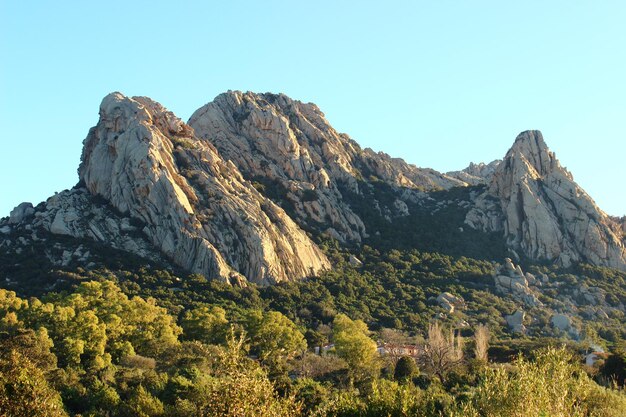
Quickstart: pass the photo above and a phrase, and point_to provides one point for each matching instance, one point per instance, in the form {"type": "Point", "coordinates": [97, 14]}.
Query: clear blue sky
{"type": "Point", "coordinates": [439, 83]}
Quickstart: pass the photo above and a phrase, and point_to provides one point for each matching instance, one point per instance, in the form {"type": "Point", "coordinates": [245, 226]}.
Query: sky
{"type": "Point", "coordinates": [438, 83]}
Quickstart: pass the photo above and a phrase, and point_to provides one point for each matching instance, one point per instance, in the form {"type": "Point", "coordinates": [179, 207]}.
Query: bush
{"type": "Point", "coordinates": [406, 369]}
{"type": "Point", "coordinates": [552, 385]}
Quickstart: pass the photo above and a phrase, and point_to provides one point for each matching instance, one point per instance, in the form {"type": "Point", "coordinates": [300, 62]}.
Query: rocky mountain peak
{"type": "Point", "coordinates": [544, 213]}
{"type": "Point", "coordinates": [531, 151]}
{"type": "Point", "coordinates": [197, 208]}
{"type": "Point", "coordinates": [290, 147]}
{"type": "Point", "coordinates": [476, 174]}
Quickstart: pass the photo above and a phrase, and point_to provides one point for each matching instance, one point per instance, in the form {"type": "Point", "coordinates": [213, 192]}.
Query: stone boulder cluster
{"type": "Point", "coordinates": [515, 321]}
{"type": "Point", "coordinates": [450, 302]}
{"type": "Point", "coordinates": [568, 300]}
{"type": "Point", "coordinates": [510, 279]}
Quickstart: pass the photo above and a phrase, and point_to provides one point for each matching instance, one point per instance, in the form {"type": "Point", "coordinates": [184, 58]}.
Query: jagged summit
{"type": "Point", "coordinates": [230, 194]}
{"type": "Point", "coordinates": [288, 144]}
{"type": "Point", "coordinates": [193, 207]}
{"type": "Point", "coordinates": [544, 213]}
{"type": "Point", "coordinates": [476, 174]}
{"type": "Point", "coordinates": [530, 147]}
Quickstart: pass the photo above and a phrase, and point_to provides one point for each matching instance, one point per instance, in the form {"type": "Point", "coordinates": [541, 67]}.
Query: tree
{"type": "Point", "coordinates": [406, 368]}
{"type": "Point", "coordinates": [238, 387]}
{"type": "Point", "coordinates": [614, 367]}
{"type": "Point", "coordinates": [481, 343]}
{"type": "Point", "coordinates": [352, 343]}
{"type": "Point", "coordinates": [554, 384]}
{"type": "Point", "coordinates": [24, 391]}
{"type": "Point", "coordinates": [441, 353]}
{"type": "Point", "coordinates": [143, 404]}
{"type": "Point", "coordinates": [207, 324]}
{"type": "Point", "coordinates": [273, 336]}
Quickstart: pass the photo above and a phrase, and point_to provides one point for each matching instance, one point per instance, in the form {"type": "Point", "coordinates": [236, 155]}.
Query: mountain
{"type": "Point", "coordinates": [543, 213]}
{"type": "Point", "coordinates": [191, 257]}
{"type": "Point", "coordinates": [178, 198]}
{"type": "Point", "coordinates": [290, 147]}
{"type": "Point", "coordinates": [253, 183]}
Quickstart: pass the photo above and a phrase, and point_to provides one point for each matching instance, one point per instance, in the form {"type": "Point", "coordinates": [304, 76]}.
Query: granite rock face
{"type": "Point", "coordinates": [229, 195]}
{"type": "Point", "coordinates": [290, 146]}
{"type": "Point", "coordinates": [76, 213]}
{"type": "Point", "coordinates": [197, 209]}
{"type": "Point", "coordinates": [543, 213]}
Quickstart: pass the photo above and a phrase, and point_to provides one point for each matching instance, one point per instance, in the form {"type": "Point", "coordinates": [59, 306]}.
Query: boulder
{"type": "Point", "coordinates": [510, 279]}
{"type": "Point", "coordinates": [561, 322]}
{"type": "Point", "coordinates": [515, 321]}
{"type": "Point", "coordinates": [449, 302]}
{"type": "Point", "coordinates": [21, 213]}
{"type": "Point", "coordinates": [354, 261]}
{"type": "Point", "coordinates": [447, 306]}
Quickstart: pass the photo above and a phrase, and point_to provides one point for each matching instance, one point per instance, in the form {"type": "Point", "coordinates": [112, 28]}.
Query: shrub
{"type": "Point", "coordinates": [406, 368]}
{"type": "Point", "coordinates": [552, 385]}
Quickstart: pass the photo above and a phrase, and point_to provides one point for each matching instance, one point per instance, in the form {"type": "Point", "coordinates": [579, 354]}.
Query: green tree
{"type": "Point", "coordinates": [272, 335]}
{"type": "Point", "coordinates": [614, 367]}
{"type": "Point", "coordinates": [143, 404]}
{"type": "Point", "coordinates": [24, 391]}
{"type": "Point", "coordinates": [238, 387]}
{"type": "Point", "coordinates": [207, 324]}
{"type": "Point", "coordinates": [406, 368]}
{"type": "Point", "coordinates": [552, 385]}
{"type": "Point", "coordinates": [353, 344]}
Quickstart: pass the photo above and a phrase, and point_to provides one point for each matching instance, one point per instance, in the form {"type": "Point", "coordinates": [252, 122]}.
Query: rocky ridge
{"type": "Point", "coordinates": [476, 174]}
{"type": "Point", "coordinates": [166, 193]}
{"type": "Point", "coordinates": [222, 196]}
{"type": "Point", "coordinates": [290, 145]}
{"type": "Point", "coordinates": [197, 208]}
{"type": "Point", "coordinates": [78, 214]}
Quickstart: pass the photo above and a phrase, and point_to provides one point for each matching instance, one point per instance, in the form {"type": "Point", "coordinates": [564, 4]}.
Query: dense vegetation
{"type": "Point", "coordinates": [97, 352]}
{"type": "Point", "coordinates": [144, 341]}
{"type": "Point", "coordinates": [130, 337]}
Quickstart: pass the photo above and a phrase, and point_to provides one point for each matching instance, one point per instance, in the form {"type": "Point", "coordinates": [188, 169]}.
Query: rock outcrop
{"type": "Point", "coordinates": [78, 214]}
{"type": "Point", "coordinates": [21, 212]}
{"type": "Point", "coordinates": [289, 146]}
{"type": "Point", "coordinates": [476, 174]}
{"type": "Point", "coordinates": [515, 321]}
{"type": "Point", "coordinates": [510, 279]}
{"type": "Point", "coordinates": [450, 302]}
{"type": "Point", "coordinates": [196, 208]}
{"type": "Point", "coordinates": [543, 213]}
{"type": "Point", "coordinates": [229, 195]}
